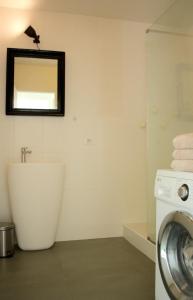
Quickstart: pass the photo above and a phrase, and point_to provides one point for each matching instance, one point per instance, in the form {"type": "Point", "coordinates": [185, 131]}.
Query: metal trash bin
{"type": "Point", "coordinates": [6, 239]}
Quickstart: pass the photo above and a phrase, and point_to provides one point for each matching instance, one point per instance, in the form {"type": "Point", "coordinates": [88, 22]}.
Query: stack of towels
{"type": "Point", "coordinates": [183, 153]}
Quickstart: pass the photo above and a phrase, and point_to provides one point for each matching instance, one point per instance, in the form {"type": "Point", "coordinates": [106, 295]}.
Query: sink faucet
{"type": "Point", "coordinates": [24, 151]}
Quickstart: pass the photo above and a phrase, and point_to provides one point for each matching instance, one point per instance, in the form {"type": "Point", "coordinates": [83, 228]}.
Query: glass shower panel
{"type": "Point", "coordinates": [177, 19]}
{"type": "Point", "coordinates": [170, 90]}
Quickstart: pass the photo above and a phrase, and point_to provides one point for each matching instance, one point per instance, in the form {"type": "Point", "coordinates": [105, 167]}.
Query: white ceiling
{"type": "Point", "coordinates": [135, 10]}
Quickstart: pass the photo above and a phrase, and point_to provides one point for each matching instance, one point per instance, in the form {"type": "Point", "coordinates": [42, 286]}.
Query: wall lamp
{"type": "Point", "coordinates": [30, 31]}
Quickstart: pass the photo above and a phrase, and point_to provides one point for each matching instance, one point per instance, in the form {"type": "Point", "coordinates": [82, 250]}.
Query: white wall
{"type": "Point", "coordinates": [99, 139]}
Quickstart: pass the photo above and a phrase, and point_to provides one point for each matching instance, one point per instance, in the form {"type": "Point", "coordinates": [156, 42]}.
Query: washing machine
{"type": "Point", "coordinates": [174, 235]}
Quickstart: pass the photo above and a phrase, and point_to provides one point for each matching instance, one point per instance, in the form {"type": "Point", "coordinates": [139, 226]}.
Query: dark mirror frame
{"type": "Point", "coordinates": [57, 55]}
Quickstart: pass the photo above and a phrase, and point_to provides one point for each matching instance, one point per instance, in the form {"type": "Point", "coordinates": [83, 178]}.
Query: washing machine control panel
{"type": "Point", "coordinates": [183, 192]}
{"type": "Point", "coordinates": [174, 190]}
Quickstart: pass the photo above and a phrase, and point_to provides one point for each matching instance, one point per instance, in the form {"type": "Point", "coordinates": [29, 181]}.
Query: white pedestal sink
{"type": "Point", "coordinates": [35, 191]}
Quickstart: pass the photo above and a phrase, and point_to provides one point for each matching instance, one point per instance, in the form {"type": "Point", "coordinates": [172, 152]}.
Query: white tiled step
{"type": "Point", "coordinates": [136, 234]}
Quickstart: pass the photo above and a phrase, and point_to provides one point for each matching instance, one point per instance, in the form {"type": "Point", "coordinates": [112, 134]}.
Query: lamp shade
{"type": "Point", "coordinates": [30, 31]}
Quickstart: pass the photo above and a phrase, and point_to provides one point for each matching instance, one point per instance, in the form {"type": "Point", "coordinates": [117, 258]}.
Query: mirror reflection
{"type": "Point", "coordinates": [35, 83]}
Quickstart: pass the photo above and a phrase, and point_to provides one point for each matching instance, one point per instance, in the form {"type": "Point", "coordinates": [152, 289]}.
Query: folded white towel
{"type": "Point", "coordinates": [183, 141]}
{"type": "Point", "coordinates": [182, 165]}
{"type": "Point", "coordinates": [183, 154]}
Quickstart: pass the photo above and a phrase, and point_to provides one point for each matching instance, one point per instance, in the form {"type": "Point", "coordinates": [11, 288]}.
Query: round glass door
{"type": "Point", "coordinates": [175, 255]}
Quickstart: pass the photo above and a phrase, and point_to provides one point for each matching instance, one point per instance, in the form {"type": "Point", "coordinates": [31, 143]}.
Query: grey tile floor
{"type": "Point", "coordinates": [101, 269]}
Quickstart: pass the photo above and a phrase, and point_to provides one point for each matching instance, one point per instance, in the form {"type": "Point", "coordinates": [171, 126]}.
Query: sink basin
{"type": "Point", "coordinates": [35, 191]}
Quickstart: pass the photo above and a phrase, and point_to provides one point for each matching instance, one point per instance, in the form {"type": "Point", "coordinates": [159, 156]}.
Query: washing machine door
{"type": "Point", "coordinates": [175, 255]}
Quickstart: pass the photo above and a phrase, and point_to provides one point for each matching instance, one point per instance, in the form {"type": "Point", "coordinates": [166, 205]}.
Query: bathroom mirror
{"type": "Point", "coordinates": [35, 83]}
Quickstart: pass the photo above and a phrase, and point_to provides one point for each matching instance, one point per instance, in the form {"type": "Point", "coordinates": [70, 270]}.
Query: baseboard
{"type": "Point", "coordinates": [136, 234]}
